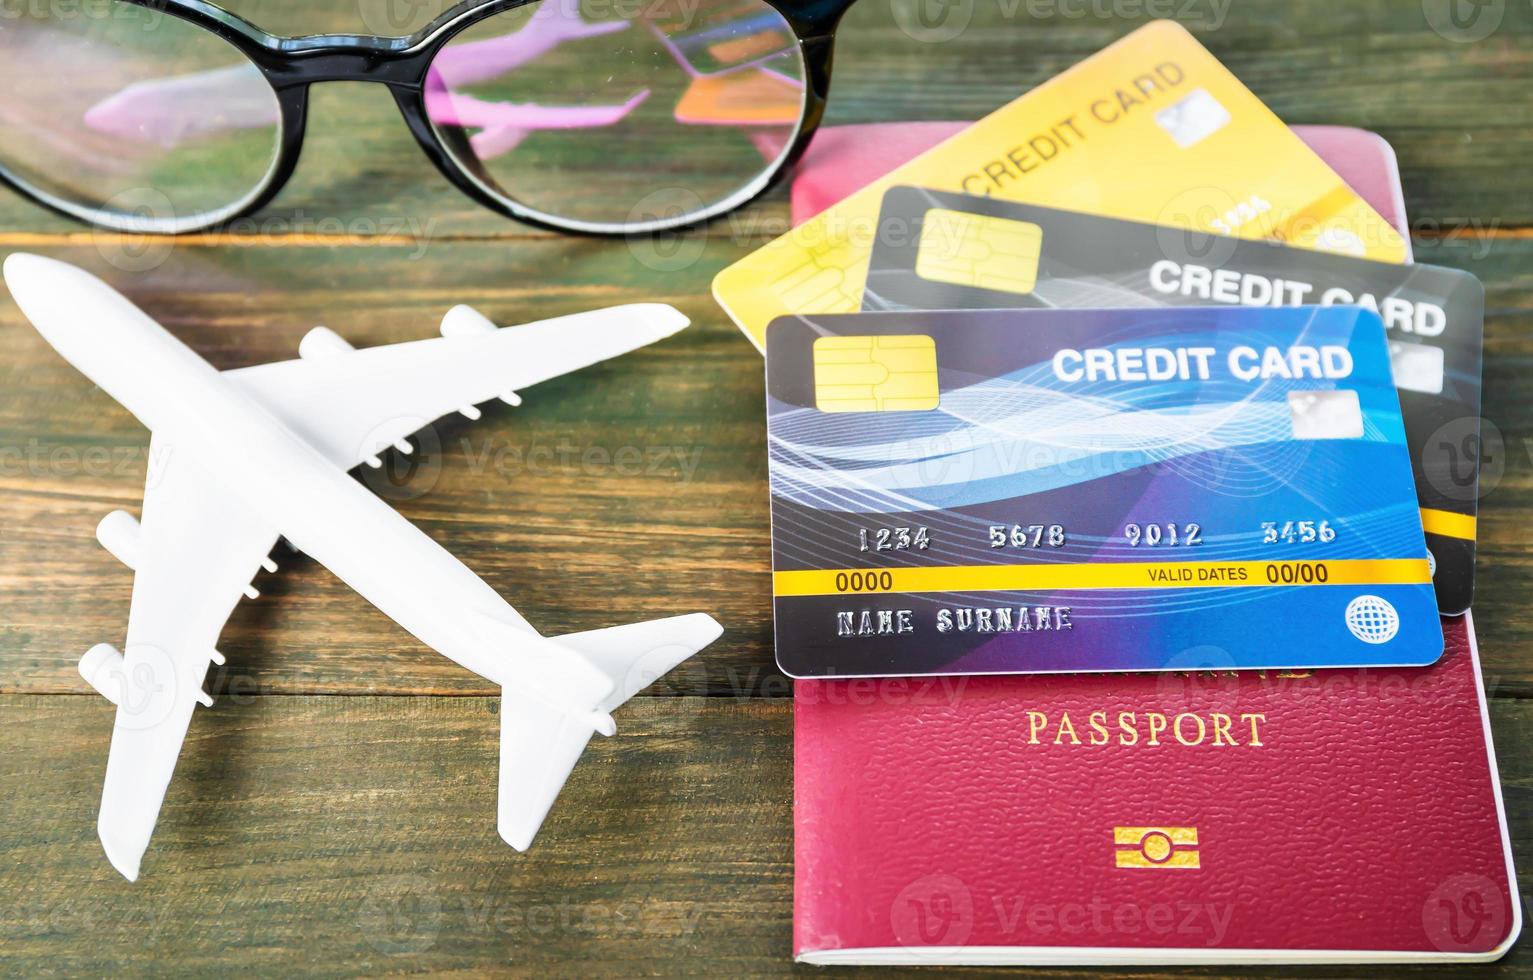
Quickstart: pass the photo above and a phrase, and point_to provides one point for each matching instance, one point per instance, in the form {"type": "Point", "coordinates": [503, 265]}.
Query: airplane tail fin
{"type": "Point", "coordinates": [637, 655]}
{"type": "Point", "coordinates": [540, 743]}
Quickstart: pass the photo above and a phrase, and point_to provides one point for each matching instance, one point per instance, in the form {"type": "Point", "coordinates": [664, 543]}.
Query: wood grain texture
{"type": "Point", "coordinates": [343, 835]}
{"type": "Point", "coordinates": [630, 490]}
{"type": "Point", "coordinates": [357, 835]}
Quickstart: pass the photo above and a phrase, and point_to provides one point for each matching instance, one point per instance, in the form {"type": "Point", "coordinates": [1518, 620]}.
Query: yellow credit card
{"type": "Point", "coordinates": [1150, 129]}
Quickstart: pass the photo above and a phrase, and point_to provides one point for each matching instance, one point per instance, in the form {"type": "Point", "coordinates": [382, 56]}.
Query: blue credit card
{"type": "Point", "coordinates": [1017, 491]}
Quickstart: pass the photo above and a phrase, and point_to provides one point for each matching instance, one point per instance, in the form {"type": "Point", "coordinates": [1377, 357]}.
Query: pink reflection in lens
{"type": "Point", "coordinates": [476, 61]}
{"type": "Point", "coordinates": [133, 165]}
{"type": "Point", "coordinates": [665, 109]}
{"type": "Point", "coordinates": [173, 110]}
{"type": "Point", "coordinates": [503, 125]}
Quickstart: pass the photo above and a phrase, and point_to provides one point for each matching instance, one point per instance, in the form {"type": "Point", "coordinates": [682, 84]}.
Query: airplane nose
{"type": "Point", "coordinates": [50, 292]}
{"type": "Point", "coordinates": [22, 268]}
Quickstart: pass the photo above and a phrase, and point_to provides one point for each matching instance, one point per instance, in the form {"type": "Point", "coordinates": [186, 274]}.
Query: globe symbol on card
{"type": "Point", "coordinates": [1372, 619]}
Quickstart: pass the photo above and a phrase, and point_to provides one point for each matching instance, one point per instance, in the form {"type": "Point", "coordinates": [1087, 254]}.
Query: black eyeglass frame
{"type": "Point", "coordinates": [292, 64]}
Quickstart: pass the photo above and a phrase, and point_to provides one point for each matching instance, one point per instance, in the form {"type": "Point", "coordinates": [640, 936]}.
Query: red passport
{"type": "Point", "coordinates": [1081, 819]}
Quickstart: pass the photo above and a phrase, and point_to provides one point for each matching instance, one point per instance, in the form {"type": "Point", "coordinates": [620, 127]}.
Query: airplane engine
{"type": "Point", "coordinates": [465, 321]}
{"type": "Point", "coordinates": [322, 342]}
{"type": "Point", "coordinates": [102, 668]}
{"type": "Point", "coordinates": [119, 533]}
{"type": "Point", "coordinates": [105, 669]}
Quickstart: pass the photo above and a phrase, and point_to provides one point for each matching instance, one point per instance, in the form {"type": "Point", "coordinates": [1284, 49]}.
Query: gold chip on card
{"type": "Point", "coordinates": [979, 250]}
{"type": "Point", "coordinates": [875, 374]}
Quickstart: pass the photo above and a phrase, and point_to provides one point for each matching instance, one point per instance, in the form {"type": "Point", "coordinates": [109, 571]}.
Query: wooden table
{"type": "Point", "coordinates": [335, 811]}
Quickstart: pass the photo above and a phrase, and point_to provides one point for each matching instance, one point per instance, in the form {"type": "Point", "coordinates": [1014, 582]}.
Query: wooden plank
{"type": "Point", "coordinates": [356, 835]}
{"type": "Point", "coordinates": [1449, 107]}
{"type": "Point", "coordinates": [632, 490]}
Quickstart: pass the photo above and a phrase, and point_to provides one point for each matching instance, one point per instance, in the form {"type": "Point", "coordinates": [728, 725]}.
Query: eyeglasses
{"type": "Point", "coordinates": [598, 116]}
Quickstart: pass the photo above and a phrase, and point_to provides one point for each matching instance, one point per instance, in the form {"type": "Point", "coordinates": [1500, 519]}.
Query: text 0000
{"type": "Point", "coordinates": [864, 581]}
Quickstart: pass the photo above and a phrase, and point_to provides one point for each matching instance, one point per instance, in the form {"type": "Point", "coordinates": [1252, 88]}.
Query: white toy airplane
{"type": "Point", "coordinates": [247, 455]}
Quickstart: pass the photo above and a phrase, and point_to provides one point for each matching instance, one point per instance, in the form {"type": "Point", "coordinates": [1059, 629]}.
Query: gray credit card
{"type": "Point", "coordinates": [958, 251]}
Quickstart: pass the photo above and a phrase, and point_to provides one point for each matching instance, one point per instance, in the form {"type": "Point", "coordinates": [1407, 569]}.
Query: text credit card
{"type": "Point", "coordinates": [998, 491]}
{"type": "Point", "coordinates": [1153, 128]}
{"type": "Point", "coordinates": [968, 252]}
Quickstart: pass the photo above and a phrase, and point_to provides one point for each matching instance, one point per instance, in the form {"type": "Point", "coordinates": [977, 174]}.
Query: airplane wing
{"type": "Point", "coordinates": [352, 404]}
{"type": "Point", "coordinates": [195, 553]}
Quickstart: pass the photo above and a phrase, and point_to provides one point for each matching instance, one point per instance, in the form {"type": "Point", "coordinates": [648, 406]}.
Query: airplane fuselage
{"type": "Point", "coordinates": [240, 458]}
{"type": "Point", "coordinates": [309, 499]}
